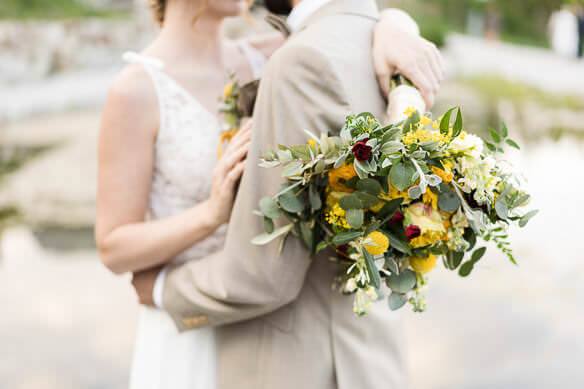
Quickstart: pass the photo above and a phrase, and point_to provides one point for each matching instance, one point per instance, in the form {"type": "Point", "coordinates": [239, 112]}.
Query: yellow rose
{"type": "Point", "coordinates": [429, 221]}
{"type": "Point", "coordinates": [376, 243]}
{"type": "Point", "coordinates": [423, 265]}
{"type": "Point", "coordinates": [345, 172]}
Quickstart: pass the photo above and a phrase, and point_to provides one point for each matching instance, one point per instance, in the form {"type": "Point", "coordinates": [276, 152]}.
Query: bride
{"type": "Point", "coordinates": [163, 197]}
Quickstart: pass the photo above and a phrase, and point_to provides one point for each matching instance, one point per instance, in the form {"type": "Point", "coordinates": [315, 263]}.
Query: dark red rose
{"type": "Point", "coordinates": [413, 231]}
{"type": "Point", "coordinates": [343, 251]}
{"type": "Point", "coordinates": [361, 150]}
{"type": "Point", "coordinates": [398, 218]}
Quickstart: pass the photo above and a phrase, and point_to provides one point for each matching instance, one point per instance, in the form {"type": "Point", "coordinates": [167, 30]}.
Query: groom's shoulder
{"type": "Point", "coordinates": [337, 39]}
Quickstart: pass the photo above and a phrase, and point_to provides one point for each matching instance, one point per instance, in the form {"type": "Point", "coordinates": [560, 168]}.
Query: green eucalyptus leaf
{"type": "Point", "coordinates": [341, 239]}
{"type": "Point", "coordinates": [392, 134]}
{"type": "Point", "coordinates": [350, 202]}
{"type": "Point", "coordinates": [525, 218]}
{"type": "Point", "coordinates": [269, 207]}
{"type": "Point", "coordinates": [403, 282]}
{"type": "Point", "coordinates": [265, 238]}
{"type": "Point", "coordinates": [372, 270]}
{"type": "Point", "coordinates": [391, 264]}
{"type": "Point", "coordinates": [391, 147]}
{"type": "Point", "coordinates": [355, 218]}
{"type": "Point", "coordinates": [314, 198]}
{"type": "Point", "coordinates": [367, 200]}
{"type": "Point", "coordinates": [501, 208]}
{"type": "Point", "coordinates": [390, 207]}
{"type": "Point", "coordinates": [478, 254]}
{"type": "Point", "coordinates": [454, 259]}
{"type": "Point", "coordinates": [448, 201]}
{"type": "Point", "coordinates": [466, 268]}
{"type": "Point", "coordinates": [301, 151]}
{"type": "Point", "coordinates": [290, 202]}
{"type": "Point", "coordinates": [307, 234]}
{"type": "Point", "coordinates": [396, 301]}
{"type": "Point", "coordinates": [268, 225]}
{"type": "Point", "coordinates": [401, 175]}
{"type": "Point", "coordinates": [369, 185]}
{"type": "Point", "coordinates": [293, 168]}
{"type": "Point", "coordinates": [470, 237]}
{"type": "Point", "coordinates": [397, 243]}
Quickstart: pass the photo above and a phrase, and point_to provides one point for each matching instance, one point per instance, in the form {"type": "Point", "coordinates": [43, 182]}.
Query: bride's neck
{"type": "Point", "coordinates": [184, 38]}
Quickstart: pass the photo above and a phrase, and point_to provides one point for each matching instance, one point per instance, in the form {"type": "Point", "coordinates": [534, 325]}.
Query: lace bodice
{"type": "Point", "coordinates": [185, 149]}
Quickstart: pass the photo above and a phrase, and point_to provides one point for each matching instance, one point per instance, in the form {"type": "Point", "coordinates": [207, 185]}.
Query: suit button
{"type": "Point", "coordinates": [196, 321]}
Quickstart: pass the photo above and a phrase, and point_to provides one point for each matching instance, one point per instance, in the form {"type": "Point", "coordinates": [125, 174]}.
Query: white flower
{"type": "Point", "coordinates": [402, 98]}
{"type": "Point", "coordinates": [350, 286]}
{"type": "Point", "coordinates": [469, 144]}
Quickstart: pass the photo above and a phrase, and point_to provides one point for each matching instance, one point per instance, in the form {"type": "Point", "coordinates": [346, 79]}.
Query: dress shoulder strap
{"type": "Point", "coordinates": [154, 67]}
{"type": "Point", "coordinates": [256, 59]}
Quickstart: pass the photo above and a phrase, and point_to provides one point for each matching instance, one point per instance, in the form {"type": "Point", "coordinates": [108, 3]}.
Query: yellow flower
{"type": "Point", "coordinates": [378, 207]}
{"type": "Point", "coordinates": [345, 172]}
{"type": "Point", "coordinates": [445, 175]}
{"type": "Point", "coordinates": [228, 90]}
{"type": "Point", "coordinates": [312, 142]}
{"type": "Point", "coordinates": [410, 111]}
{"type": "Point", "coordinates": [430, 198]}
{"type": "Point", "coordinates": [423, 265]}
{"type": "Point", "coordinates": [424, 135]}
{"type": "Point", "coordinates": [436, 125]}
{"type": "Point", "coordinates": [393, 194]}
{"type": "Point", "coordinates": [430, 221]}
{"type": "Point", "coordinates": [379, 245]}
{"type": "Point", "coordinates": [424, 120]}
{"type": "Point", "coordinates": [336, 216]}
{"type": "Point", "coordinates": [427, 238]}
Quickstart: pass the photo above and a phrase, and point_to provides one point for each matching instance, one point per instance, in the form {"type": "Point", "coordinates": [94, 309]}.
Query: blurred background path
{"type": "Point", "coordinates": [68, 323]}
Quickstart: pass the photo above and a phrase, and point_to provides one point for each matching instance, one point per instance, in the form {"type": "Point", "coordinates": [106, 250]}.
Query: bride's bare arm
{"type": "Point", "coordinates": [126, 242]}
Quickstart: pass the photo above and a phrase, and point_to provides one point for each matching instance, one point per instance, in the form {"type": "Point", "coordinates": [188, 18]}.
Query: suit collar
{"type": "Point", "coordinates": [364, 8]}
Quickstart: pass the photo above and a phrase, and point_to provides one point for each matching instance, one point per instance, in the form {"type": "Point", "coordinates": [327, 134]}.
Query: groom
{"type": "Point", "coordinates": [280, 324]}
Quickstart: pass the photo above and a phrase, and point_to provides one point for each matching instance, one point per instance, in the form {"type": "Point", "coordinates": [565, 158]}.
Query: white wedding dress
{"type": "Point", "coordinates": [185, 157]}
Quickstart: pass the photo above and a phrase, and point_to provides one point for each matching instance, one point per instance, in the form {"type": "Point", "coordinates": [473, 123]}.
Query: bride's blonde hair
{"type": "Point", "coordinates": [159, 8]}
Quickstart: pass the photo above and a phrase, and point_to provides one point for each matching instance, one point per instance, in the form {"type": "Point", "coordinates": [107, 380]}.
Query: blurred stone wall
{"type": "Point", "coordinates": [33, 50]}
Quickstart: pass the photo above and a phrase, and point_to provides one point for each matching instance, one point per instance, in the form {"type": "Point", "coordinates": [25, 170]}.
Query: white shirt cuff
{"type": "Point", "coordinates": [158, 291]}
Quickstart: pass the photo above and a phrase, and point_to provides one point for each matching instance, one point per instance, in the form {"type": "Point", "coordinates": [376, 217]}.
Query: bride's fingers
{"type": "Point", "coordinates": [236, 173]}
{"type": "Point", "coordinates": [235, 156]}
{"type": "Point", "coordinates": [242, 136]}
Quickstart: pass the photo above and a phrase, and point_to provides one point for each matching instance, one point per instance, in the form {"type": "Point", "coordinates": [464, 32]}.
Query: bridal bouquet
{"type": "Point", "coordinates": [391, 200]}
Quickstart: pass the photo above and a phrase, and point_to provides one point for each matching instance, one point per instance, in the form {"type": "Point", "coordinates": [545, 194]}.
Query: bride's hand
{"type": "Point", "coordinates": [226, 175]}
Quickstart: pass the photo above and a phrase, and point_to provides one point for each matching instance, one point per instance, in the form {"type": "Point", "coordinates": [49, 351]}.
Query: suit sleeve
{"type": "Point", "coordinates": [299, 91]}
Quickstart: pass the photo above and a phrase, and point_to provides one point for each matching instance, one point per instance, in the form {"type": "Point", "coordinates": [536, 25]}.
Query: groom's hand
{"type": "Point", "coordinates": [143, 283]}
{"type": "Point", "coordinates": [398, 48]}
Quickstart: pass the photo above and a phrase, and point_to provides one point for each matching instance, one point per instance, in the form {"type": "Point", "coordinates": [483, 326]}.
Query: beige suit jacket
{"type": "Point", "coordinates": [280, 324]}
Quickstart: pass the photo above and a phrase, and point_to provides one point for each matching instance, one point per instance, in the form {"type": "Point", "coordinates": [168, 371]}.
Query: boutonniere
{"type": "Point", "coordinates": [237, 103]}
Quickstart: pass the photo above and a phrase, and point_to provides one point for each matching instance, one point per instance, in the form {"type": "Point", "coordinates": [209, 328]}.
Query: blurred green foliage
{"type": "Point", "coordinates": [522, 21]}
{"type": "Point", "coordinates": [49, 9]}
{"type": "Point", "coordinates": [498, 88]}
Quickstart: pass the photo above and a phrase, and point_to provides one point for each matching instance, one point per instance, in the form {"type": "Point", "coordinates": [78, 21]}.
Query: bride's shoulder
{"type": "Point", "coordinates": [134, 87]}
{"type": "Point", "coordinates": [132, 101]}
